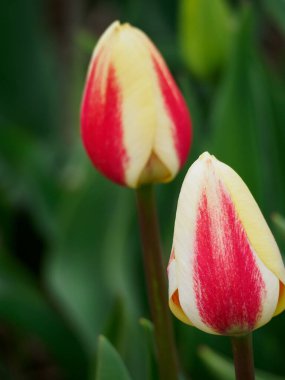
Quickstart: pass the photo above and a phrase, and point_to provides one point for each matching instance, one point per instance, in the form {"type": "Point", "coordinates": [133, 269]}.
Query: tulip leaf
{"type": "Point", "coordinates": [279, 222]}
{"type": "Point", "coordinates": [223, 369]}
{"type": "Point", "coordinates": [276, 94]}
{"type": "Point", "coordinates": [235, 134]}
{"type": "Point", "coordinates": [91, 267]}
{"type": "Point", "coordinates": [150, 345]}
{"type": "Point", "coordinates": [205, 34]}
{"type": "Point", "coordinates": [116, 324]}
{"type": "Point", "coordinates": [272, 174]}
{"type": "Point", "coordinates": [28, 92]}
{"type": "Point", "coordinates": [26, 175]}
{"type": "Point", "coordinates": [109, 363]}
{"type": "Point", "coordinates": [22, 306]}
{"type": "Point", "coordinates": [220, 367]}
{"type": "Point", "coordinates": [276, 9]}
{"type": "Point", "coordinates": [72, 271]}
{"type": "Point", "coordinates": [148, 329]}
{"type": "Point", "coordinates": [247, 126]}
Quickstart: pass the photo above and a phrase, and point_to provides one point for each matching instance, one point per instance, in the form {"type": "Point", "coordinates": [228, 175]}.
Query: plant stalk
{"type": "Point", "coordinates": [156, 283]}
{"type": "Point", "coordinates": [243, 357]}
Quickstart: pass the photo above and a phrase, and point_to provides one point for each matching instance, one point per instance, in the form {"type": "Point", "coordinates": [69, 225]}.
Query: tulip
{"type": "Point", "coordinates": [134, 121]}
{"type": "Point", "coordinates": [226, 274]}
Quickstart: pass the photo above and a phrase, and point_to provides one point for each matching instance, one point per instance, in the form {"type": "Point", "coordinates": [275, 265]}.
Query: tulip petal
{"type": "Point", "coordinates": [257, 230]}
{"type": "Point", "coordinates": [281, 301]}
{"type": "Point", "coordinates": [174, 302]}
{"type": "Point", "coordinates": [141, 78]}
{"type": "Point", "coordinates": [154, 171]}
{"type": "Point", "coordinates": [175, 106]}
{"type": "Point", "coordinates": [135, 77]}
{"type": "Point", "coordinates": [135, 124]}
{"type": "Point", "coordinates": [102, 132]}
{"type": "Point", "coordinates": [224, 287]}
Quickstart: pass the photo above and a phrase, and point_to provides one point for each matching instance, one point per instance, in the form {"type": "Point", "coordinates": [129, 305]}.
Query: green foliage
{"type": "Point", "coordinates": [223, 369]}
{"type": "Point", "coordinates": [152, 370]}
{"type": "Point", "coordinates": [219, 366]}
{"type": "Point", "coordinates": [279, 222]}
{"type": "Point", "coordinates": [30, 311]}
{"type": "Point", "coordinates": [70, 261]}
{"type": "Point", "coordinates": [206, 29]}
{"type": "Point", "coordinates": [276, 9]}
{"type": "Point", "coordinates": [233, 114]}
{"type": "Point", "coordinates": [109, 363]}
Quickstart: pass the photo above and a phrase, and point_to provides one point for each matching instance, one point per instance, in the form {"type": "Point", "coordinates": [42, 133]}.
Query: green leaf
{"type": "Point", "coordinates": [90, 263]}
{"type": "Point", "coordinates": [220, 367]}
{"type": "Point", "coordinates": [247, 120]}
{"type": "Point", "coordinates": [275, 90]}
{"type": "Point", "coordinates": [205, 33]}
{"type": "Point", "coordinates": [223, 369]}
{"type": "Point", "coordinates": [279, 222]}
{"type": "Point", "coordinates": [24, 307]}
{"type": "Point", "coordinates": [148, 329]}
{"type": "Point", "coordinates": [29, 93]}
{"type": "Point", "coordinates": [27, 175]}
{"type": "Point", "coordinates": [116, 324]}
{"type": "Point", "coordinates": [276, 9]}
{"type": "Point", "coordinates": [235, 135]}
{"type": "Point", "coordinates": [109, 363]}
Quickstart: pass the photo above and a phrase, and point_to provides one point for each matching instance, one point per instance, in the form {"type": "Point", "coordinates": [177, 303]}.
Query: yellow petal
{"type": "Point", "coordinates": [173, 293]}
{"type": "Point", "coordinates": [144, 118]}
{"type": "Point", "coordinates": [176, 309]}
{"type": "Point", "coordinates": [281, 301]}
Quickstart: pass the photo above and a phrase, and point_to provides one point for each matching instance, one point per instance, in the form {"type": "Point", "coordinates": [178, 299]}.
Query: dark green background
{"type": "Point", "coordinates": [70, 259]}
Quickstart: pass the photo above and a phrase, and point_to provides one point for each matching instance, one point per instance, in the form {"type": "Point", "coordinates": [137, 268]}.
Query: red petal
{"type": "Point", "coordinates": [228, 282]}
{"type": "Point", "coordinates": [101, 125]}
{"type": "Point", "coordinates": [177, 109]}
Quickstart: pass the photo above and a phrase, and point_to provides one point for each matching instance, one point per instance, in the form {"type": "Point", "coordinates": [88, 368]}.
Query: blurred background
{"type": "Point", "coordinates": [70, 259]}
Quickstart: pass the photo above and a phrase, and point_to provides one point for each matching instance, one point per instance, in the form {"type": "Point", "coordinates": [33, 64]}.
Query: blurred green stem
{"type": "Point", "coordinates": [156, 283]}
{"type": "Point", "coordinates": [243, 357]}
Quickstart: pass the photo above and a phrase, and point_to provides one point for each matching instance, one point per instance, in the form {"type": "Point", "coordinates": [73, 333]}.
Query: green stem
{"type": "Point", "coordinates": [156, 283]}
{"type": "Point", "coordinates": [243, 357]}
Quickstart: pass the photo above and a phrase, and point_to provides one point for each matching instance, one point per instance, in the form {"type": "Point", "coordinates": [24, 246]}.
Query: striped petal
{"type": "Point", "coordinates": [255, 225]}
{"type": "Point", "coordinates": [135, 124]}
{"type": "Point", "coordinates": [225, 287]}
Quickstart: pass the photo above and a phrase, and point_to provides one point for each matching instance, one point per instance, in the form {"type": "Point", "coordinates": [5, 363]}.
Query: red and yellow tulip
{"type": "Point", "coordinates": [134, 121]}
{"type": "Point", "coordinates": [226, 274]}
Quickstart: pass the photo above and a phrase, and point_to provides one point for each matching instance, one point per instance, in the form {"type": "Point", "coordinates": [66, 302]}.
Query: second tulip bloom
{"type": "Point", "coordinates": [226, 274]}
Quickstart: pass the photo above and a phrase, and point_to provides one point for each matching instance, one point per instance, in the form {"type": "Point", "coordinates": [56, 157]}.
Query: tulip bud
{"type": "Point", "coordinates": [226, 274]}
{"type": "Point", "coordinates": [134, 121]}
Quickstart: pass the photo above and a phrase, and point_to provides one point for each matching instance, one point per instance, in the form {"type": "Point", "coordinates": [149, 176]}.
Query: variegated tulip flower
{"type": "Point", "coordinates": [134, 121]}
{"type": "Point", "coordinates": [226, 274]}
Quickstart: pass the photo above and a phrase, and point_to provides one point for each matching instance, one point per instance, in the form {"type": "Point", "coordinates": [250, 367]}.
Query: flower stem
{"type": "Point", "coordinates": [156, 283]}
{"type": "Point", "coordinates": [243, 357]}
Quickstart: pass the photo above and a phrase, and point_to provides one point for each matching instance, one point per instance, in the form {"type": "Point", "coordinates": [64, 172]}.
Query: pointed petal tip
{"type": "Point", "coordinates": [115, 23]}
{"type": "Point", "coordinates": [207, 157]}
{"type": "Point", "coordinates": [115, 26]}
